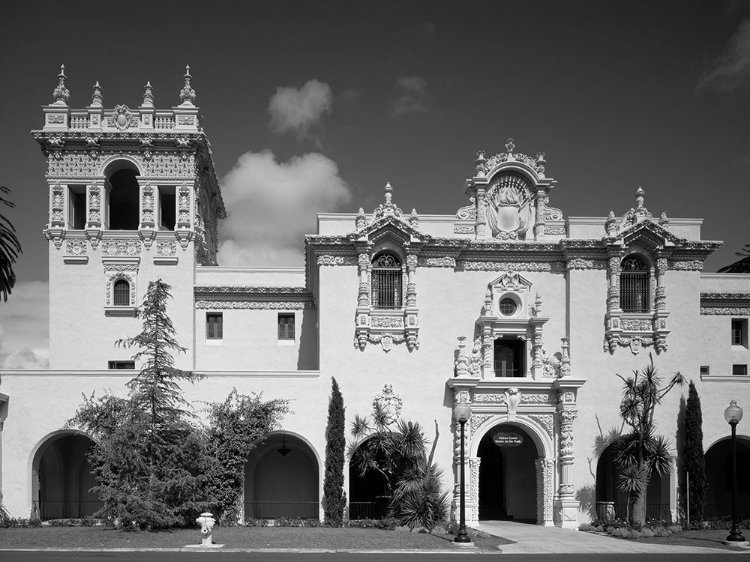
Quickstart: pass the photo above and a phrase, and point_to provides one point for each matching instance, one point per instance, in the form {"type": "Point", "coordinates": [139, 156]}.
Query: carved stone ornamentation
{"type": "Point", "coordinates": [546, 421]}
{"type": "Point", "coordinates": [459, 229]}
{"type": "Point", "coordinates": [252, 305]}
{"type": "Point", "coordinates": [166, 248]}
{"type": "Point", "coordinates": [490, 398]}
{"type": "Point", "coordinates": [336, 260]}
{"type": "Point", "coordinates": [121, 247]}
{"type": "Point", "coordinates": [580, 263]}
{"type": "Point", "coordinates": [687, 265]}
{"type": "Point", "coordinates": [469, 212]}
{"type": "Point", "coordinates": [113, 272]}
{"type": "Point", "coordinates": [75, 247]}
{"type": "Point", "coordinates": [477, 420]}
{"type": "Point", "coordinates": [437, 262]}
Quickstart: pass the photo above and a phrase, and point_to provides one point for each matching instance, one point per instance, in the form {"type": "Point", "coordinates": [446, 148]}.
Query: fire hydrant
{"type": "Point", "coordinates": [207, 522]}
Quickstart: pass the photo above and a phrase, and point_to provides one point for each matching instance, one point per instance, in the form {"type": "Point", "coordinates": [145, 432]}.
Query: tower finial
{"type": "Point", "coordinates": [61, 93]}
{"type": "Point", "coordinates": [509, 146]}
{"type": "Point", "coordinates": [97, 100]}
{"type": "Point", "coordinates": [388, 193]}
{"type": "Point", "coordinates": [148, 95]}
{"type": "Point", "coordinates": [187, 95]}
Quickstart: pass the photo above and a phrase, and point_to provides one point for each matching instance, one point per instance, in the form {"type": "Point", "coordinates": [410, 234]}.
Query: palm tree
{"type": "Point", "coordinates": [10, 247]}
{"type": "Point", "coordinates": [642, 453]}
{"type": "Point", "coordinates": [741, 265]}
{"type": "Point", "coordinates": [397, 450]}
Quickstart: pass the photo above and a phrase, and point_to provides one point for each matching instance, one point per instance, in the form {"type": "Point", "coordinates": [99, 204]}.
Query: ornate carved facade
{"type": "Point", "coordinates": [547, 308]}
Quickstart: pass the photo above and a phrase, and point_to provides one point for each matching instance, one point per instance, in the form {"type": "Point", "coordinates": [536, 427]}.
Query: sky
{"type": "Point", "coordinates": [313, 106]}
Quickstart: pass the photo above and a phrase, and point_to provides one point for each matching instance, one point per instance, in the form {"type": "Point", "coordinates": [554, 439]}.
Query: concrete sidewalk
{"type": "Point", "coordinates": [534, 539]}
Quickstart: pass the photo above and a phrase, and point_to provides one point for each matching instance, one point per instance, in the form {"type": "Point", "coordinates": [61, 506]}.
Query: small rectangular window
{"type": "Point", "coordinates": [739, 370]}
{"type": "Point", "coordinates": [167, 208]}
{"type": "Point", "coordinates": [121, 365]}
{"type": "Point", "coordinates": [286, 327]}
{"type": "Point", "coordinates": [739, 332]}
{"type": "Point", "coordinates": [77, 207]}
{"type": "Point", "coordinates": [214, 325]}
{"type": "Point", "coordinates": [704, 370]}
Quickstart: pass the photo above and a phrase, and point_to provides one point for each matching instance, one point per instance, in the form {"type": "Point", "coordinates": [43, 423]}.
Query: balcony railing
{"type": "Point", "coordinates": [719, 510]}
{"type": "Point", "coordinates": [608, 511]}
{"type": "Point", "coordinates": [275, 509]}
{"type": "Point", "coordinates": [67, 509]}
{"type": "Point", "coordinates": [367, 510]}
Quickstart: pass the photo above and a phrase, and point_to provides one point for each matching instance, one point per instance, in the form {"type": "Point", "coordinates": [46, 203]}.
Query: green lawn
{"type": "Point", "coordinates": [711, 539]}
{"type": "Point", "coordinates": [232, 537]}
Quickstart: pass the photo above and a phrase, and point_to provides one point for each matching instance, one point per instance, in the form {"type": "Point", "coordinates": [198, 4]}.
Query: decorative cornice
{"type": "Point", "coordinates": [249, 297]}
{"type": "Point", "coordinates": [220, 304]}
{"type": "Point", "coordinates": [725, 304]}
{"type": "Point", "coordinates": [248, 289]}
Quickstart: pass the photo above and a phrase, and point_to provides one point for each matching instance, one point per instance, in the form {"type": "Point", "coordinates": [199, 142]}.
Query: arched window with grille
{"type": "Point", "coordinates": [387, 279]}
{"type": "Point", "coordinates": [121, 293]}
{"type": "Point", "coordinates": [635, 282]}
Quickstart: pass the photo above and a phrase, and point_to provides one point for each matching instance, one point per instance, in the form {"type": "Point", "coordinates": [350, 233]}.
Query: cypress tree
{"type": "Point", "coordinates": [333, 483]}
{"type": "Point", "coordinates": [693, 458]}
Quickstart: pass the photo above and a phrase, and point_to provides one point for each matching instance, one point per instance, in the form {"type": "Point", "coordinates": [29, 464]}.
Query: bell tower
{"type": "Point", "coordinates": [133, 197]}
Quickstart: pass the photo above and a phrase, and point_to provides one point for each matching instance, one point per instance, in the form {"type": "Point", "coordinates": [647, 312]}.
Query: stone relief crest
{"type": "Point", "coordinates": [510, 207]}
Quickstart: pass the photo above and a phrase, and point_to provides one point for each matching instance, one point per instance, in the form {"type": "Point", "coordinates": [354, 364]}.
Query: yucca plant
{"type": "Point", "coordinates": [641, 453]}
{"type": "Point", "coordinates": [397, 449]}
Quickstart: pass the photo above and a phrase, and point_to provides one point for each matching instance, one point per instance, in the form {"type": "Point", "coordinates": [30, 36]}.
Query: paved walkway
{"type": "Point", "coordinates": [534, 539]}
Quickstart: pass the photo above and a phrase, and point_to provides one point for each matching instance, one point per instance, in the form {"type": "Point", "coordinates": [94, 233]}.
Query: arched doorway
{"type": "Point", "coordinates": [281, 479]}
{"type": "Point", "coordinates": [63, 478]}
{"type": "Point", "coordinates": [508, 475]}
{"type": "Point", "coordinates": [612, 502]}
{"type": "Point", "coordinates": [719, 479]}
{"type": "Point", "coordinates": [368, 495]}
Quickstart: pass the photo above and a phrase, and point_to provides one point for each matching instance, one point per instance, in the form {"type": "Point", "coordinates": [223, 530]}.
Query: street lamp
{"type": "Point", "coordinates": [733, 415]}
{"type": "Point", "coordinates": [462, 413]}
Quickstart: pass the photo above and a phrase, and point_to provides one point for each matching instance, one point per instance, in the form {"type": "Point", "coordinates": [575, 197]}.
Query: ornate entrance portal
{"type": "Point", "coordinates": [520, 449]}
{"type": "Point", "coordinates": [507, 483]}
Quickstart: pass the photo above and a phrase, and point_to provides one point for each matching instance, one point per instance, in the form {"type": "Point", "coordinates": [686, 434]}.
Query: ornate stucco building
{"type": "Point", "coordinates": [508, 303]}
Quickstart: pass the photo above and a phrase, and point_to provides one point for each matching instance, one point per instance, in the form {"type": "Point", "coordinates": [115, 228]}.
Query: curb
{"type": "Point", "coordinates": [460, 550]}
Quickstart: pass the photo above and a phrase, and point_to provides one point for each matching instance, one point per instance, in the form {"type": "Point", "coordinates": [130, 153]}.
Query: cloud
{"type": "Point", "coordinates": [351, 96]}
{"type": "Point", "coordinates": [413, 96]}
{"type": "Point", "coordinates": [24, 327]}
{"type": "Point", "coordinates": [271, 206]}
{"type": "Point", "coordinates": [297, 110]}
{"type": "Point", "coordinates": [730, 69]}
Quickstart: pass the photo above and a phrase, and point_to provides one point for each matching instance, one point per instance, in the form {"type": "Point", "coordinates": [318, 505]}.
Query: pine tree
{"type": "Point", "coordinates": [147, 455]}
{"type": "Point", "coordinates": [693, 459]}
{"type": "Point", "coordinates": [333, 483]}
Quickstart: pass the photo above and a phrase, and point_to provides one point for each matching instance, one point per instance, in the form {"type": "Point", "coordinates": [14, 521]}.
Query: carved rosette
{"type": "Point", "coordinates": [166, 248]}
{"type": "Point", "coordinates": [75, 248]}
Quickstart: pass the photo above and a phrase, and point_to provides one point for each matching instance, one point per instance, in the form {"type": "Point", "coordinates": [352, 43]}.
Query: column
{"type": "Point", "coordinates": [566, 504]}
{"type": "Point", "coordinates": [481, 213]}
{"type": "Point", "coordinates": [544, 478]}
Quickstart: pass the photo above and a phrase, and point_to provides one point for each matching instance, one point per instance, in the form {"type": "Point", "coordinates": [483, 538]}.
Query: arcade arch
{"type": "Point", "coordinates": [282, 476]}
{"type": "Point", "coordinates": [61, 477]}
{"type": "Point", "coordinates": [368, 495]}
{"type": "Point", "coordinates": [719, 478]}
{"type": "Point", "coordinates": [612, 502]}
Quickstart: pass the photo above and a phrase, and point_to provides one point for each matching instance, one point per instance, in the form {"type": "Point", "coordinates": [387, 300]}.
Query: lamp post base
{"type": "Point", "coordinates": [462, 538]}
{"type": "Point", "coordinates": [735, 538]}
